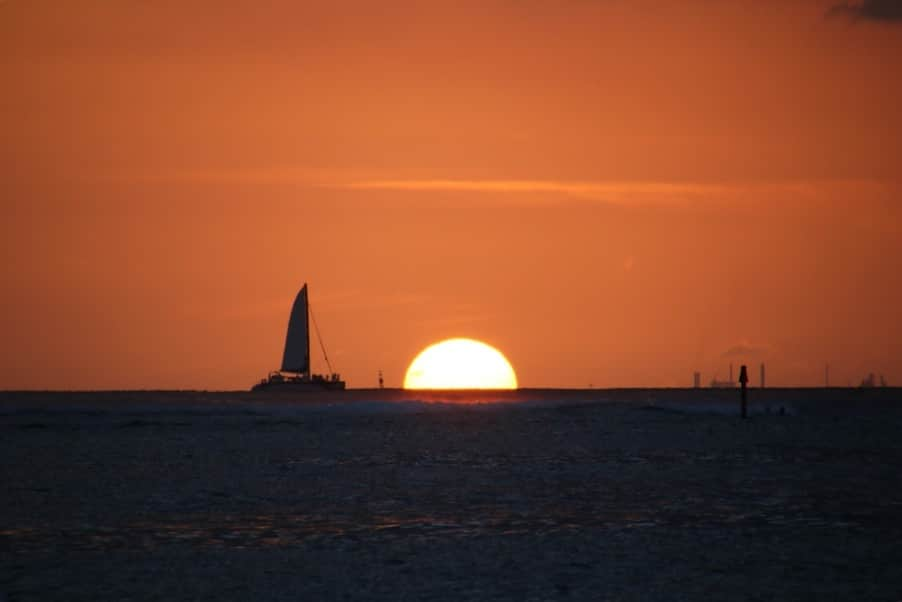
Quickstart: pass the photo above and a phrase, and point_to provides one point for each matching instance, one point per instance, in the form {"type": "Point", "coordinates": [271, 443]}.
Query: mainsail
{"type": "Point", "coordinates": [297, 341]}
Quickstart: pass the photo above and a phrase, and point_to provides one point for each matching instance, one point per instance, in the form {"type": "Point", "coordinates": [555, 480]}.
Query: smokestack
{"type": "Point", "coordinates": [697, 380]}
{"type": "Point", "coordinates": [731, 372]}
{"type": "Point", "coordinates": [762, 375]}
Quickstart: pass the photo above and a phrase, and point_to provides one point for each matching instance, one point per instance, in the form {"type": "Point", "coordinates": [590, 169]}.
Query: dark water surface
{"type": "Point", "coordinates": [372, 495]}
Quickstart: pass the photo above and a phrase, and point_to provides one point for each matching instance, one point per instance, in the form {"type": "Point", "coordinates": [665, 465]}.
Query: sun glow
{"type": "Point", "coordinates": [460, 364]}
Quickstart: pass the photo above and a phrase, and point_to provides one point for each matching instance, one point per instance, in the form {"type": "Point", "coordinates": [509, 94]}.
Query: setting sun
{"type": "Point", "coordinates": [460, 364]}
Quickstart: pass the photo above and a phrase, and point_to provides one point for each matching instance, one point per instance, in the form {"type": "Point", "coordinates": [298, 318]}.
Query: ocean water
{"type": "Point", "coordinates": [372, 495]}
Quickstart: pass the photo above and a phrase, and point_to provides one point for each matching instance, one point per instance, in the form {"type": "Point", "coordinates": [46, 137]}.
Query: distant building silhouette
{"type": "Point", "coordinates": [724, 384]}
{"type": "Point", "coordinates": [872, 380]}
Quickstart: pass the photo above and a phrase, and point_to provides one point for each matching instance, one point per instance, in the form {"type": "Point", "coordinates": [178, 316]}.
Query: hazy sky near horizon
{"type": "Point", "coordinates": [611, 192]}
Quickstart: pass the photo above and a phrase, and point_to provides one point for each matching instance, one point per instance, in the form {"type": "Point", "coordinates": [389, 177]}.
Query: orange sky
{"type": "Point", "coordinates": [612, 192]}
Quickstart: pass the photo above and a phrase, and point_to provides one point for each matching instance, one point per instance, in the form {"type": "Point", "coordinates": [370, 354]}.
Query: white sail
{"type": "Point", "coordinates": [297, 341]}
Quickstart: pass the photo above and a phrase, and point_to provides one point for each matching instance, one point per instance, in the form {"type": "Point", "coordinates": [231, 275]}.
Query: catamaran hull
{"type": "Point", "coordinates": [299, 387]}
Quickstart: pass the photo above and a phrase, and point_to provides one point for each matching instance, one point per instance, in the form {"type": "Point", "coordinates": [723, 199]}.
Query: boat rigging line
{"type": "Point", "coordinates": [319, 338]}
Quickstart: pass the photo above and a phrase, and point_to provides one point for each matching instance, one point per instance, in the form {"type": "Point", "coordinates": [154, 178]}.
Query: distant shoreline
{"type": "Point", "coordinates": [780, 400]}
{"type": "Point", "coordinates": [521, 390]}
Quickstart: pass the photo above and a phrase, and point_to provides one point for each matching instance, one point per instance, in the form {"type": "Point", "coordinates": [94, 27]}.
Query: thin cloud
{"type": "Point", "coordinates": [638, 193]}
{"type": "Point", "coordinates": [625, 193]}
{"type": "Point", "coordinates": [887, 11]}
{"type": "Point", "coordinates": [681, 195]}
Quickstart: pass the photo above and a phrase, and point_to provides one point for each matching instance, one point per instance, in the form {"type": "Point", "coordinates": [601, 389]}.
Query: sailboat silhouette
{"type": "Point", "coordinates": [295, 373]}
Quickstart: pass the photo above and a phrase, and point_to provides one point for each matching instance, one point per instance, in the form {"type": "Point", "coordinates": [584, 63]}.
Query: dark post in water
{"type": "Point", "coordinates": [743, 380]}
